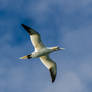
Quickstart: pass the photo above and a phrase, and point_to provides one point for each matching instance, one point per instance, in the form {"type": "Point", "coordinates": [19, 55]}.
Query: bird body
{"type": "Point", "coordinates": [42, 51]}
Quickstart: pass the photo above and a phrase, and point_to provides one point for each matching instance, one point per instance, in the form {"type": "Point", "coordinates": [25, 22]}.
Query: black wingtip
{"type": "Point", "coordinates": [22, 24]}
{"type": "Point", "coordinates": [29, 30]}
{"type": "Point", "coordinates": [53, 76]}
{"type": "Point", "coordinates": [25, 27]}
{"type": "Point", "coordinates": [53, 79]}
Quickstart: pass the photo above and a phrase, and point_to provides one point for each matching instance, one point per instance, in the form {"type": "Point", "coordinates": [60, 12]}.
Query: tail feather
{"type": "Point", "coordinates": [26, 57]}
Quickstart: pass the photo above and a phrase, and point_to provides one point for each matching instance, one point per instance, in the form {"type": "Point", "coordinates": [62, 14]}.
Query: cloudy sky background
{"type": "Point", "coordinates": [66, 23]}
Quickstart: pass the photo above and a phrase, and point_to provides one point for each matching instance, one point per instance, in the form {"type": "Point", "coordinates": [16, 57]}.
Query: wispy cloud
{"type": "Point", "coordinates": [61, 20]}
{"type": "Point", "coordinates": [70, 82]}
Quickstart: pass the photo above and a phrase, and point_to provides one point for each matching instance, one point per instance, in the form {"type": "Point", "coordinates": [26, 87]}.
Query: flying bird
{"type": "Point", "coordinates": [41, 51]}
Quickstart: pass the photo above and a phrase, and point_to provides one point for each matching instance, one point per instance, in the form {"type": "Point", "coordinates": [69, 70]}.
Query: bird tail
{"type": "Point", "coordinates": [26, 57]}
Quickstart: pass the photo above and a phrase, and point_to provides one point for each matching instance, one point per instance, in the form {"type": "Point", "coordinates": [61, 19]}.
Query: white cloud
{"type": "Point", "coordinates": [85, 69]}
{"type": "Point", "coordinates": [40, 10]}
{"type": "Point", "coordinates": [77, 43]}
{"type": "Point", "coordinates": [11, 5]}
{"type": "Point", "coordinates": [69, 82]}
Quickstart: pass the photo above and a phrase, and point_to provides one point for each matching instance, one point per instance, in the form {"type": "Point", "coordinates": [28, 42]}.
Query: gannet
{"type": "Point", "coordinates": [41, 51]}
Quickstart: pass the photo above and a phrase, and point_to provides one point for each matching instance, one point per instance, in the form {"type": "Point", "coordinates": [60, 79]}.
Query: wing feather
{"type": "Point", "coordinates": [51, 65]}
{"type": "Point", "coordinates": [35, 38]}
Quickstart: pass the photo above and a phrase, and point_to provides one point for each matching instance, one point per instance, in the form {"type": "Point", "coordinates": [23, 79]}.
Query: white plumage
{"type": "Point", "coordinates": [41, 51]}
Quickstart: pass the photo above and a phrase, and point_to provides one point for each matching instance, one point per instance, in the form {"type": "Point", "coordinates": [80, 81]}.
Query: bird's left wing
{"type": "Point", "coordinates": [35, 38]}
{"type": "Point", "coordinates": [51, 65]}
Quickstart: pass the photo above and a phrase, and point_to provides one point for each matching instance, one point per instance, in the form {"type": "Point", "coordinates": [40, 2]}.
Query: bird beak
{"type": "Point", "coordinates": [61, 48]}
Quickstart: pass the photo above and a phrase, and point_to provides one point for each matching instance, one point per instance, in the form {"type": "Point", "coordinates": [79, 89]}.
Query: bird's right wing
{"type": "Point", "coordinates": [51, 65]}
{"type": "Point", "coordinates": [35, 38]}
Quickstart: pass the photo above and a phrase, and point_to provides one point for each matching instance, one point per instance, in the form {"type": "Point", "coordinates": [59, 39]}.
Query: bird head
{"type": "Point", "coordinates": [57, 48]}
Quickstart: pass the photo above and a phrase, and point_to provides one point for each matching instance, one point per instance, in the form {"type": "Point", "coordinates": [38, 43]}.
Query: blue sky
{"type": "Point", "coordinates": [66, 23]}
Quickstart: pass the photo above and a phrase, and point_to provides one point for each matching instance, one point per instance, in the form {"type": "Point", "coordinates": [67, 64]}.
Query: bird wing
{"type": "Point", "coordinates": [51, 65]}
{"type": "Point", "coordinates": [35, 38]}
